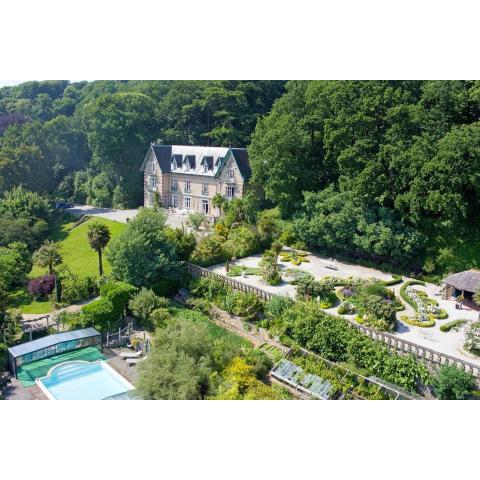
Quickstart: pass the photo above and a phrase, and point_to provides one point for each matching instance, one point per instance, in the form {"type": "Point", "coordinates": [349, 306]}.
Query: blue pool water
{"type": "Point", "coordinates": [78, 380]}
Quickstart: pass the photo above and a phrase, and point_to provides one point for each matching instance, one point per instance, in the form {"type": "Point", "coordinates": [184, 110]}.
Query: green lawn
{"type": "Point", "coordinates": [213, 329]}
{"type": "Point", "coordinates": [75, 250]}
{"type": "Point", "coordinates": [76, 254]}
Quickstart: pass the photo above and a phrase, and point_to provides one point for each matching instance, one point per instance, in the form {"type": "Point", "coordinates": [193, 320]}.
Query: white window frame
{"type": "Point", "coordinates": [174, 185]}
{"type": "Point", "coordinates": [188, 186]}
{"type": "Point", "coordinates": [231, 174]}
{"type": "Point", "coordinates": [152, 167]}
{"type": "Point", "coordinates": [175, 201]}
{"type": "Point", "coordinates": [187, 200]}
{"type": "Point", "coordinates": [205, 206]}
{"type": "Point", "coordinates": [153, 182]}
{"type": "Point", "coordinates": [205, 188]}
{"type": "Point", "coordinates": [230, 191]}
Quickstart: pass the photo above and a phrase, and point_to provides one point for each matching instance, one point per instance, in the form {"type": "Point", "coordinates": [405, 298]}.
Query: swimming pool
{"type": "Point", "coordinates": [81, 380]}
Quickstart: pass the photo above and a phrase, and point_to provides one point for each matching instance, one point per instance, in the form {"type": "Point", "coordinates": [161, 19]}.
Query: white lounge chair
{"type": "Point", "coordinates": [134, 361]}
{"type": "Point", "coordinates": [126, 355]}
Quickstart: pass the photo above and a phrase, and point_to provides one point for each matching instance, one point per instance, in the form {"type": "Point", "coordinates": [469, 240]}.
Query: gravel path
{"type": "Point", "coordinates": [450, 343]}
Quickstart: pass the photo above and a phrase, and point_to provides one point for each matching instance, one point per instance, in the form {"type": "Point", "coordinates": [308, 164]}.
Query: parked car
{"type": "Point", "coordinates": [62, 205]}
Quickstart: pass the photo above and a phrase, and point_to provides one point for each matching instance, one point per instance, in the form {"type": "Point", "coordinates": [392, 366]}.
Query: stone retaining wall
{"type": "Point", "coordinates": [393, 342]}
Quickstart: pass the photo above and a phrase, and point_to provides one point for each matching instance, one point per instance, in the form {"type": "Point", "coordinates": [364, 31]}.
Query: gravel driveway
{"type": "Point", "coordinates": [174, 219]}
{"type": "Point", "coordinates": [108, 213]}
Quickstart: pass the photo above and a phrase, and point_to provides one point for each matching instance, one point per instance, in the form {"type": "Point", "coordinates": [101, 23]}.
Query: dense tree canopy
{"type": "Point", "coordinates": [397, 156]}
{"type": "Point", "coordinates": [86, 141]}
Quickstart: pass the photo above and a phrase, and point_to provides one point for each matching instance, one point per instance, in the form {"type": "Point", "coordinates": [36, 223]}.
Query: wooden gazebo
{"type": "Point", "coordinates": [463, 283]}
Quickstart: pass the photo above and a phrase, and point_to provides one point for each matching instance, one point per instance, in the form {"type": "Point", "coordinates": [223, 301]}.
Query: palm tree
{"type": "Point", "coordinates": [98, 236]}
{"type": "Point", "coordinates": [47, 256]}
{"type": "Point", "coordinates": [218, 201]}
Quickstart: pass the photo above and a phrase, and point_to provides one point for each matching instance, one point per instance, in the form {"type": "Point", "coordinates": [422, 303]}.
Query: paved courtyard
{"type": "Point", "coordinates": [450, 343]}
{"type": "Point", "coordinates": [175, 219]}
{"type": "Point", "coordinates": [319, 267]}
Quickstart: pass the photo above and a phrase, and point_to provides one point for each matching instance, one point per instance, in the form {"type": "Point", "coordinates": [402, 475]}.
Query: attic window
{"type": "Point", "coordinates": [207, 163]}
{"type": "Point", "coordinates": [189, 162]}
{"type": "Point", "coordinates": [176, 161]}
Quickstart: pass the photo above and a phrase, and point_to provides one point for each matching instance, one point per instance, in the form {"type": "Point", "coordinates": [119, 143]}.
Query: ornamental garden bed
{"type": "Point", "coordinates": [426, 309]}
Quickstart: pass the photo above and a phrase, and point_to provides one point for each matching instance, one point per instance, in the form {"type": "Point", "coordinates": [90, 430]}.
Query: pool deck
{"type": "Point", "coordinates": [16, 391]}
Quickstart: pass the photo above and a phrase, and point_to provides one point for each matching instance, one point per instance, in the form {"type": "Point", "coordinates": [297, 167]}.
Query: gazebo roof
{"type": "Point", "coordinates": [469, 280]}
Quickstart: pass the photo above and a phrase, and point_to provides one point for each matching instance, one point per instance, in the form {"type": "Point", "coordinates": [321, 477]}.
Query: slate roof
{"type": "Point", "coordinates": [469, 280]}
{"type": "Point", "coordinates": [241, 156]}
{"type": "Point", "coordinates": [215, 157]}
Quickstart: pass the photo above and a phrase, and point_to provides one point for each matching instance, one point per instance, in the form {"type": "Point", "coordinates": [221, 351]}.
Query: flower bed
{"type": "Point", "coordinates": [295, 257]}
{"type": "Point", "coordinates": [426, 308]}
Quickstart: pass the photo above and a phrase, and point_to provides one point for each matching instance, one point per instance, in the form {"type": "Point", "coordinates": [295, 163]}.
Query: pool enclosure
{"type": "Point", "coordinates": [52, 345]}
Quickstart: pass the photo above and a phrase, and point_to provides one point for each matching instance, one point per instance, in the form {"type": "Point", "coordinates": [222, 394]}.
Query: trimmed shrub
{"type": "Point", "coordinates": [404, 295]}
{"type": "Point", "coordinates": [417, 323]}
{"type": "Point", "coordinates": [446, 327]}
{"type": "Point", "coordinates": [119, 293]}
{"type": "Point", "coordinates": [41, 286]}
{"type": "Point", "coordinates": [101, 315]}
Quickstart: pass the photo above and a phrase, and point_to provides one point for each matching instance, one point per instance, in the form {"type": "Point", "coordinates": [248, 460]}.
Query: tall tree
{"type": "Point", "coordinates": [47, 255]}
{"type": "Point", "coordinates": [98, 235]}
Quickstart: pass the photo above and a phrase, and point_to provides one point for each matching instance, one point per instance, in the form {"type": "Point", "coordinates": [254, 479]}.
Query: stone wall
{"type": "Point", "coordinates": [431, 356]}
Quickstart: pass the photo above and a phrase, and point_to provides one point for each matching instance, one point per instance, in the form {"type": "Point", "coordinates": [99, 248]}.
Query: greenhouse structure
{"type": "Point", "coordinates": [52, 345]}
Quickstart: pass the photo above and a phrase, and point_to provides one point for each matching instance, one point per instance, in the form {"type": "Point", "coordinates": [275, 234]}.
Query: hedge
{"type": "Point", "coordinates": [446, 327]}
{"type": "Point", "coordinates": [416, 323]}
{"type": "Point", "coordinates": [105, 312]}
{"type": "Point", "coordinates": [101, 314]}
{"type": "Point", "coordinates": [394, 281]}
{"type": "Point", "coordinates": [405, 297]}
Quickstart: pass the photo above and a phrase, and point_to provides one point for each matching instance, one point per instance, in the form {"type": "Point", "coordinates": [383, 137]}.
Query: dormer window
{"type": "Point", "coordinates": [176, 161]}
{"type": "Point", "coordinates": [189, 162]}
{"type": "Point", "coordinates": [207, 164]}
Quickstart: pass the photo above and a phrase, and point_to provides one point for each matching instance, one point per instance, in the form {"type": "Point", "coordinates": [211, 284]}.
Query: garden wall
{"type": "Point", "coordinates": [393, 342]}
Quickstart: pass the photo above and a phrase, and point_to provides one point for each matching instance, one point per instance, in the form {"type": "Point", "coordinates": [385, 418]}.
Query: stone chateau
{"type": "Point", "coordinates": [187, 177]}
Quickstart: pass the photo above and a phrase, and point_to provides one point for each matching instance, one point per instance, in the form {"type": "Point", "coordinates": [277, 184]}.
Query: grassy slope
{"type": "Point", "coordinates": [75, 250]}
{"type": "Point", "coordinates": [77, 255]}
{"type": "Point", "coordinates": [214, 330]}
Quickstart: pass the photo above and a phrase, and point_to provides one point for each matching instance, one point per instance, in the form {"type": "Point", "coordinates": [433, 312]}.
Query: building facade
{"type": "Point", "coordinates": [187, 177]}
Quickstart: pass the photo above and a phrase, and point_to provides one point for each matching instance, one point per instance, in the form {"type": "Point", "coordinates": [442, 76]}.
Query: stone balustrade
{"type": "Point", "coordinates": [389, 339]}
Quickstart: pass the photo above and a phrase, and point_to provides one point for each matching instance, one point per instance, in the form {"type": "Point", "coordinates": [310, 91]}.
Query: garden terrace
{"type": "Point", "coordinates": [348, 384]}
{"type": "Point", "coordinates": [317, 266]}
{"type": "Point", "coordinates": [398, 341]}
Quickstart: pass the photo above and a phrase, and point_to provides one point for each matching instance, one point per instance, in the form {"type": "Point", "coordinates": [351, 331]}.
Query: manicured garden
{"type": "Point", "coordinates": [76, 267]}
{"type": "Point", "coordinates": [74, 248]}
